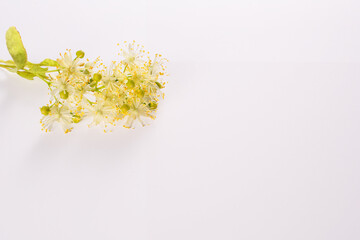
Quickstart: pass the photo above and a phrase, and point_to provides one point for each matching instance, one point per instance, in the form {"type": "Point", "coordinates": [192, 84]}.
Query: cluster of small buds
{"type": "Point", "coordinates": [127, 91]}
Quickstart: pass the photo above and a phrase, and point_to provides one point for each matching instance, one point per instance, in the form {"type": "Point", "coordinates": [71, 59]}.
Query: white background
{"type": "Point", "coordinates": [257, 138]}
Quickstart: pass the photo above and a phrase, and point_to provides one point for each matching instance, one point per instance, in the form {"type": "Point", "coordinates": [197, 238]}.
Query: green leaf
{"type": "Point", "coordinates": [36, 69]}
{"type": "Point", "coordinates": [16, 47]}
{"type": "Point", "coordinates": [13, 70]}
{"type": "Point", "coordinates": [26, 74]}
{"type": "Point", "coordinates": [42, 76]}
{"type": "Point", "coordinates": [49, 62]}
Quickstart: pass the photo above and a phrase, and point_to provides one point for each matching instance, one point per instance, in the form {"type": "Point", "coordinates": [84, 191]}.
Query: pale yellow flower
{"type": "Point", "coordinates": [58, 114]}
{"type": "Point", "coordinates": [61, 84]}
{"type": "Point", "coordinates": [69, 65]}
{"type": "Point", "coordinates": [132, 54]}
{"type": "Point", "coordinates": [157, 65]}
{"type": "Point", "coordinates": [138, 112]}
{"type": "Point", "coordinates": [102, 112]}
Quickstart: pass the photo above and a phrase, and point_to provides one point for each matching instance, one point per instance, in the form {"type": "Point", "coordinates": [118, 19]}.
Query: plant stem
{"type": "Point", "coordinates": [7, 66]}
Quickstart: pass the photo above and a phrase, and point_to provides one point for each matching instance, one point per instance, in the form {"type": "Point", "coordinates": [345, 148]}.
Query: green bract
{"type": "Point", "coordinates": [16, 47]}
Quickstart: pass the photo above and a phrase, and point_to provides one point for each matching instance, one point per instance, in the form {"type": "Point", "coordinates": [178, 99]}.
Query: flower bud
{"type": "Point", "coordinates": [76, 118]}
{"type": "Point", "coordinates": [86, 72]}
{"type": "Point", "coordinates": [64, 94]}
{"type": "Point", "coordinates": [97, 77]}
{"type": "Point", "coordinates": [159, 85]}
{"type": "Point", "coordinates": [140, 93]}
{"type": "Point", "coordinates": [45, 110]}
{"type": "Point", "coordinates": [80, 54]}
{"type": "Point", "coordinates": [153, 105]}
{"type": "Point", "coordinates": [130, 84]}
{"type": "Point", "coordinates": [124, 108]}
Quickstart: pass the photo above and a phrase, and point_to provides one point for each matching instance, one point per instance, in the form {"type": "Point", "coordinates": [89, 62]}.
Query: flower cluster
{"type": "Point", "coordinates": [127, 91]}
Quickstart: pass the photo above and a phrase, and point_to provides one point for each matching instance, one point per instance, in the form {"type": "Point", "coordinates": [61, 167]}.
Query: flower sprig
{"type": "Point", "coordinates": [127, 91]}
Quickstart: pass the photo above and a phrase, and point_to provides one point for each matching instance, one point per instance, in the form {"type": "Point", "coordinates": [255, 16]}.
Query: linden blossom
{"type": "Point", "coordinates": [126, 91]}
